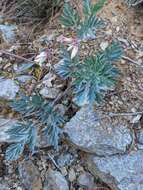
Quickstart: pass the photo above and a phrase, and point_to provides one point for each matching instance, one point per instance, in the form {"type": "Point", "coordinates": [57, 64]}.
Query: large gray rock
{"type": "Point", "coordinates": [100, 137]}
{"type": "Point", "coordinates": [55, 181]}
{"type": "Point", "coordinates": [119, 172]}
{"type": "Point", "coordinates": [8, 89]}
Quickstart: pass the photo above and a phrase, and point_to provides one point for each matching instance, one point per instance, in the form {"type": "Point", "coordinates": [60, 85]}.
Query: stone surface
{"type": "Point", "coordinates": [30, 175]}
{"type": "Point", "coordinates": [8, 89]}
{"type": "Point", "coordinates": [72, 175]}
{"type": "Point", "coordinates": [120, 172]}
{"type": "Point", "coordinates": [55, 181]}
{"type": "Point", "coordinates": [50, 93]}
{"type": "Point", "coordinates": [86, 179]}
{"type": "Point", "coordinates": [140, 137]}
{"type": "Point", "coordinates": [8, 32]}
{"type": "Point", "coordinates": [101, 137]}
{"type": "Point", "coordinates": [65, 160]}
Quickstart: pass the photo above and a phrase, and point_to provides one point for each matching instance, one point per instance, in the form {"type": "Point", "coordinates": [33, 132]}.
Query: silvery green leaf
{"type": "Point", "coordinates": [14, 151]}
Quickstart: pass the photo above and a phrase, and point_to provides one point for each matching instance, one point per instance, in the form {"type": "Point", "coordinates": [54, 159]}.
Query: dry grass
{"type": "Point", "coordinates": [29, 9]}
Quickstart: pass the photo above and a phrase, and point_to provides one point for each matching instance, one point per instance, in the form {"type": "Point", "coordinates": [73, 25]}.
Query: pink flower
{"type": "Point", "coordinates": [73, 44]}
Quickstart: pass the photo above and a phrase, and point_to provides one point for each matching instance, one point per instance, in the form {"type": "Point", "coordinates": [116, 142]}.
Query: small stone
{"type": "Point", "coordinates": [86, 179]}
{"type": "Point", "coordinates": [50, 93]}
{"type": "Point", "coordinates": [65, 160]}
{"type": "Point", "coordinates": [64, 171]}
{"type": "Point", "coordinates": [55, 181]}
{"type": "Point", "coordinates": [104, 45]}
{"type": "Point", "coordinates": [4, 186]}
{"type": "Point", "coordinates": [72, 175]}
{"type": "Point", "coordinates": [8, 89]}
{"type": "Point", "coordinates": [30, 175]}
{"type": "Point", "coordinates": [8, 33]}
{"type": "Point", "coordinates": [48, 79]}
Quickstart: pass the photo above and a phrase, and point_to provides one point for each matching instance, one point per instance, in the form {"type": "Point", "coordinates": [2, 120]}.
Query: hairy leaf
{"type": "Point", "coordinates": [65, 67]}
{"type": "Point", "coordinates": [113, 52]}
{"type": "Point", "coordinates": [92, 9]}
{"type": "Point", "coordinates": [95, 76]}
{"type": "Point", "coordinates": [21, 134]}
{"type": "Point", "coordinates": [98, 6]}
{"type": "Point", "coordinates": [14, 151]}
{"type": "Point", "coordinates": [70, 17]}
{"type": "Point", "coordinates": [89, 27]}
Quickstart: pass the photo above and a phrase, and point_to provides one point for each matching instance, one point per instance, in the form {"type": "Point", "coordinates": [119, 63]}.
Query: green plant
{"type": "Point", "coordinates": [93, 76]}
{"type": "Point", "coordinates": [46, 118]}
{"type": "Point", "coordinates": [89, 78]}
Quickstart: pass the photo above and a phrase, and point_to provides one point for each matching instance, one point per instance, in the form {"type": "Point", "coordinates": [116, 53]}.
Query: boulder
{"type": "Point", "coordinates": [119, 172]}
{"type": "Point", "coordinates": [92, 134]}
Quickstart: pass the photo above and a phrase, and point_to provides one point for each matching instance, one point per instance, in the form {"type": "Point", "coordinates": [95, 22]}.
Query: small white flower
{"type": "Point", "coordinates": [74, 51]}
{"type": "Point", "coordinates": [41, 58]}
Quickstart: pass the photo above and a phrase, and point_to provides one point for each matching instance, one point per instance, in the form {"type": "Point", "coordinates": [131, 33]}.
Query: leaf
{"type": "Point", "coordinates": [70, 17]}
{"type": "Point", "coordinates": [24, 67]}
{"type": "Point", "coordinates": [14, 151]}
{"type": "Point", "coordinates": [89, 27]}
{"type": "Point", "coordinates": [98, 6]}
{"type": "Point", "coordinates": [92, 80]}
{"type": "Point", "coordinates": [87, 7]}
{"type": "Point", "coordinates": [18, 132]}
{"type": "Point", "coordinates": [65, 67]}
{"type": "Point", "coordinates": [113, 52]}
{"type": "Point", "coordinates": [32, 138]}
{"type": "Point", "coordinates": [27, 105]}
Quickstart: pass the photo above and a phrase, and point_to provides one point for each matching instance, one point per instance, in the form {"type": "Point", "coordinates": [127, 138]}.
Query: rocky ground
{"type": "Point", "coordinates": [100, 151]}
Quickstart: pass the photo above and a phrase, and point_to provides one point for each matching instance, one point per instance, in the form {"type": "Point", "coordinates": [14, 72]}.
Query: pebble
{"type": "Point", "coordinates": [72, 175]}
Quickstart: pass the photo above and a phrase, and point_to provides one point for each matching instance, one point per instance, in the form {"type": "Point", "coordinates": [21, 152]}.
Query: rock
{"type": "Point", "coordinates": [30, 175]}
{"type": "Point", "coordinates": [48, 80]}
{"type": "Point", "coordinates": [119, 172]}
{"type": "Point", "coordinates": [55, 181]}
{"type": "Point", "coordinates": [5, 124]}
{"type": "Point", "coordinates": [65, 160]}
{"type": "Point", "coordinates": [8, 33]}
{"type": "Point", "coordinates": [24, 78]}
{"type": "Point", "coordinates": [140, 137]}
{"type": "Point", "coordinates": [72, 175]}
{"type": "Point", "coordinates": [86, 179]}
{"type": "Point", "coordinates": [4, 186]}
{"type": "Point", "coordinates": [50, 93]}
{"type": "Point", "coordinates": [8, 89]}
{"type": "Point", "coordinates": [101, 137]}
{"type": "Point", "coordinates": [64, 171]}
